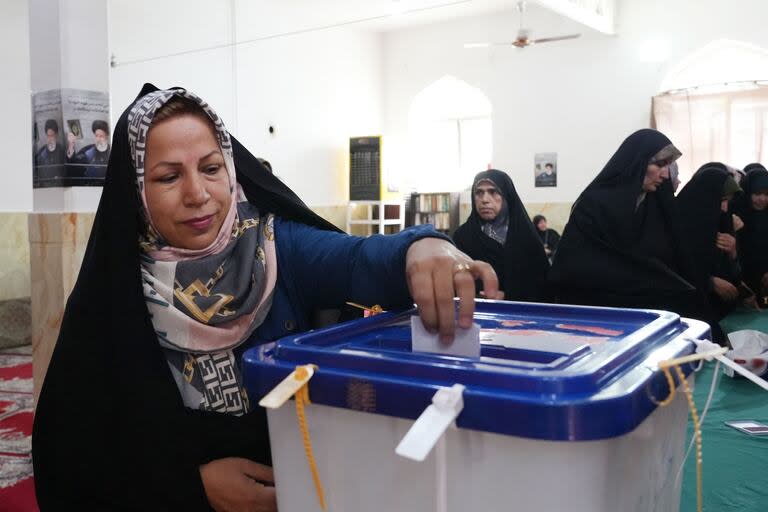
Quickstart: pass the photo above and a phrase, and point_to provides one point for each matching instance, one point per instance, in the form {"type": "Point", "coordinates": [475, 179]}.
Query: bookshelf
{"type": "Point", "coordinates": [439, 209]}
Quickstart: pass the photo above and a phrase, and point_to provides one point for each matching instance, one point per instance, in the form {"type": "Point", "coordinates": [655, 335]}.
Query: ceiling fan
{"type": "Point", "coordinates": [523, 35]}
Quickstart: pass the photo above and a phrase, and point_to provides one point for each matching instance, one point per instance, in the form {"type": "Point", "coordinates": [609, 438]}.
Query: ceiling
{"type": "Point", "coordinates": [248, 21]}
{"type": "Point", "coordinates": [259, 18]}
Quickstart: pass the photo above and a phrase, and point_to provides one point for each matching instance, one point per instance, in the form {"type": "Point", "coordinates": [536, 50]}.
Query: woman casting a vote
{"type": "Point", "coordinates": [197, 253]}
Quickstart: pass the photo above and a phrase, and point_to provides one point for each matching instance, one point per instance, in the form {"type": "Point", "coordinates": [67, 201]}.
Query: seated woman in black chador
{"type": "Point", "coordinates": [499, 231]}
{"type": "Point", "coordinates": [620, 246]}
{"type": "Point", "coordinates": [197, 252]}
{"type": "Point", "coordinates": [752, 208]}
{"type": "Point", "coordinates": [549, 237]}
{"type": "Point", "coordinates": [708, 237]}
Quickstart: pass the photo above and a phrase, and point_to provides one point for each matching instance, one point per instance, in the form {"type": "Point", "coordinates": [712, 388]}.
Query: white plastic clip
{"type": "Point", "coordinates": [709, 349]}
{"type": "Point", "coordinates": [433, 422]}
{"type": "Point", "coordinates": [288, 387]}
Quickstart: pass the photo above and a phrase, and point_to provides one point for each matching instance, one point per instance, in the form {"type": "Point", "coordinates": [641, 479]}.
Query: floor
{"type": "Point", "coordinates": [16, 408]}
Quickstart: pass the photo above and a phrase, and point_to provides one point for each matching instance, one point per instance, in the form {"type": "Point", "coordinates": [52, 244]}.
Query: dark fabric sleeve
{"type": "Point", "coordinates": [99, 442]}
{"type": "Point", "coordinates": [460, 239]}
{"type": "Point", "coordinates": [111, 431]}
{"type": "Point", "coordinates": [727, 268]}
{"type": "Point", "coordinates": [81, 156]}
{"type": "Point", "coordinates": [553, 240]}
{"type": "Point", "coordinates": [332, 268]}
{"type": "Point", "coordinates": [167, 442]}
{"type": "Point", "coordinates": [589, 260]}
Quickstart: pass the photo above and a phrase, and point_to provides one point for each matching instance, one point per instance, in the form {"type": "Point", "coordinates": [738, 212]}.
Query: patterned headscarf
{"type": "Point", "coordinates": [204, 302]}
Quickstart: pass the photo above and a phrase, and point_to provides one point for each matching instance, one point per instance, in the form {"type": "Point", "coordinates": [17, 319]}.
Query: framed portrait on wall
{"type": "Point", "coordinates": [545, 169]}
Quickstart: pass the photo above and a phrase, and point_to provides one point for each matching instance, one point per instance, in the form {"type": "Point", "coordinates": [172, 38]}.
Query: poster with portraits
{"type": "Point", "coordinates": [49, 155]}
{"type": "Point", "coordinates": [72, 137]}
{"type": "Point", "coordinates": [545, 169]}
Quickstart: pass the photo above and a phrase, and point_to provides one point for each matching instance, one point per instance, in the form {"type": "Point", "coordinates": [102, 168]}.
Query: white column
{"type": "Point", "coordinates": [69, 51]}
{"type": "Point", "coordinates": [69, 55]}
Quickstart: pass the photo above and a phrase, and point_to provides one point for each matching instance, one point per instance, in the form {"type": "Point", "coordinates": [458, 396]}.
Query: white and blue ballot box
{"type": "Point", "coordinates": [560, 411]}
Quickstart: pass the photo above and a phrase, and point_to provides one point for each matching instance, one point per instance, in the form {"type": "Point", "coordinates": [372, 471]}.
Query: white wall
{"type": "Point", "coordinates": [84, 45]}
{"type": "Point", "coordinates": [577, 98]}
{"type": "Point", "coordinates": [16, 133]}
{"type": "Point", "coordinates": [317, 88]}
{"type": "Point", "coordinates": [143, 32]}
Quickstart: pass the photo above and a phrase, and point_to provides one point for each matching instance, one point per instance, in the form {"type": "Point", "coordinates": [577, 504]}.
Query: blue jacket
{"type": "Point", "coordinates": [319, 269]}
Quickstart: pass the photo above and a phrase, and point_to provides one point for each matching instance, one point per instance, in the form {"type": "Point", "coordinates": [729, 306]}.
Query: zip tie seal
{"type": "Point", "coordinates": [427, 430]}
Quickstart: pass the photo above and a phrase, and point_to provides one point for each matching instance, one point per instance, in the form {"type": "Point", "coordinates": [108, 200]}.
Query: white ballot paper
{"type": "Point", "coordinates": [466, 342]}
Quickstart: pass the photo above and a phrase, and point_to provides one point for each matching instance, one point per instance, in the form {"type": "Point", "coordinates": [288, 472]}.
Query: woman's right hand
{"type": "Point", "coordinates": [727, 243]}
{"type": "Point", "coordinates": [232, 485]}
{"type": "Point", "coordinates": [725, 290]}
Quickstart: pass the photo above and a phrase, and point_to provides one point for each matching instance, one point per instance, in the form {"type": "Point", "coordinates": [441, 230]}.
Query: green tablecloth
{"type": "Point", "coordinates": [735, 470]}
{"type": "Point", "coordinates": [746, 319]}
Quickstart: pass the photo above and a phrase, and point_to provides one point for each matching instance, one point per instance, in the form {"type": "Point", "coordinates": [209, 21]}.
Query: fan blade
{"type": "Point", "coordinates": [558, 38]}
{"type": "Point", "coordinates": [488, 45]}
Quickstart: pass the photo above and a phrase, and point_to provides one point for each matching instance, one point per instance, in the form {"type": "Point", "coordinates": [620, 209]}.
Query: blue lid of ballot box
{"type": "Point", "coordinates": [545, 371]}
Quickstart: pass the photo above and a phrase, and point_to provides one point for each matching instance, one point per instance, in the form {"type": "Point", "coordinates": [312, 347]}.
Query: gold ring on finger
{"type": "Point", "coordinates": [461, 267]}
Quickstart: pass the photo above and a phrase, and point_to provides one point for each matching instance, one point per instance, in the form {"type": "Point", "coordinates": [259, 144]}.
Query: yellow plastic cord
{"type": "Point", "coordinates": [372, 311]}
{"type": "Point", "coordinates": [697, 433]}
{"type": "Point", "coordinates": [302, 398]}
{"type": "Point", "coordinates": [671, 384]}
{"type": "Point", "coordinates": [665, 366]}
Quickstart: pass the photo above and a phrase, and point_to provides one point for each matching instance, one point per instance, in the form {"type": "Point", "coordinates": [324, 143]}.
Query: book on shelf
{"type": "Point", "coordinates": [441, 220]}
{"type": "Point", "coordinates": [439, 209]}
{"type": "Point", "coordinates": [434, 202]}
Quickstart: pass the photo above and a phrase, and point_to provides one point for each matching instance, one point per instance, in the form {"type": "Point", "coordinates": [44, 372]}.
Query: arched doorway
{"type": "Point", "coordinates": [449, 136]}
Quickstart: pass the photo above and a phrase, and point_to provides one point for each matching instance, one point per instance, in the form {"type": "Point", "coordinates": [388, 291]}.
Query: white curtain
{"type": "Point", "coordinates": [728, 127]}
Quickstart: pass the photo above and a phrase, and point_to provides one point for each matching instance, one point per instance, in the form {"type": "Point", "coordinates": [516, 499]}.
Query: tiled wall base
{"type": "Point", "coordinates": [14, 256]}
{"type": "Point", "coordinates": [57, 243]}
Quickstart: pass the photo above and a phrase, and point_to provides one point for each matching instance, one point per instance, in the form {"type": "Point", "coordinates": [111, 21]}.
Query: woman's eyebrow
{"type": "Point", "coordinates": [214, 152]}
{"type": "Point", "coordinates": [165, 162]}
{"type": "Point", "coordinates": [172, 164]}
